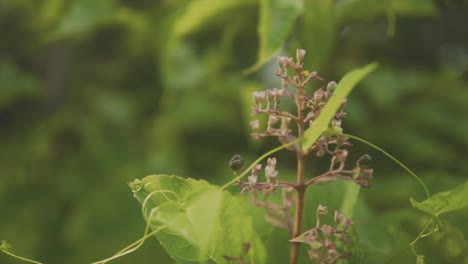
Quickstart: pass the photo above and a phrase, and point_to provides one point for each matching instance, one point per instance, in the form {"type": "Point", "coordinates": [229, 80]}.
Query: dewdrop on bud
{"type": "Point", "coordinates": [300, 55]}
{"type": "Point", "coordinates": [331, 86]}
{"type": "Point", "coordinates": [364, 161]}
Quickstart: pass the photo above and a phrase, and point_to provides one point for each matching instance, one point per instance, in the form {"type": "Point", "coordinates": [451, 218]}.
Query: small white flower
{"type": "Point", "coordinates": [300, 55]}
{"type": "Point", "coordinates": [258, 98]}
{"type": "Point", "coordinates": [272, 120]}
{"type": "Point", "coordinates": [255, 124]}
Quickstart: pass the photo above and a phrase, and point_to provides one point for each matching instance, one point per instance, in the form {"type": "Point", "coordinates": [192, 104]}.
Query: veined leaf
{"type": "Point", "coordinates": [344, 87]}
{"type": "Point", "coordinates": [202, 222]}
{"type": "Point", "coordinates": [444, 202]}
{"type": "Point", "coordinates": [277, 18]}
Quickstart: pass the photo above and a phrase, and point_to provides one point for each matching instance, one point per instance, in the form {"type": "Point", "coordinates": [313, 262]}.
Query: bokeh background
{"type": "Point", "coordinates": [94, 94]}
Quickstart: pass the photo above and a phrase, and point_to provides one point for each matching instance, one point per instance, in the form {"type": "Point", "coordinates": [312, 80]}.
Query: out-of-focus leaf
{"type": "Point", "coordinates": [365, 9]}
{"type": "Point", "coordinates": [413, 7]}
{"type": "Point", "coordinates": [198, 13]}
{"type": "Point", "coordinates": [277, 18]}
{"type": "Point", "coordinates": [83, 16]}
{"type": "Point", "coordinates": [278, 218]}
{"type": "Point", "coordinates": [318, 33]}
{"type": "Point", "coordinates": [202, 222]}
{"type": "Point", "coordinates": [351, 193]}
{"type": "Point", "coordinates": [342, 90]}
{"type": "Point", "coordinates": [15, 84]}
{"type": "Point", "coordinates": [444, 202]}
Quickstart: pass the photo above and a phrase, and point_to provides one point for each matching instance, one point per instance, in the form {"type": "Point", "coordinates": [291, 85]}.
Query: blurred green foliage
{"type": "Point", "coordinates": [96, 93]}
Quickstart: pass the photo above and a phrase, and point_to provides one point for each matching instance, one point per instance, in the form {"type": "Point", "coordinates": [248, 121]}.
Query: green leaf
{"type": "Point", "coordinates": [444, 202]}
{"type": "Point", "coordinates": [198, 13]}
{"type": "Point", "coordinates": [81, 17]}
{"type": "Point", "coordinates": [319, 34]}
{"type": "Point", "coordinates": [351, 193]}
{"type": "Point", "coordinates": [202, 223]}
{"type": "Point", "coordinates": [277, 18]}
{"type": "Point", "coordinates": [345, 86]}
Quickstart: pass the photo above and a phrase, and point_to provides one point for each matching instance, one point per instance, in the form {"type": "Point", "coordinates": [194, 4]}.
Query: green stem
{"type": "Point", "coordinates": [132, 247]}
{"type": "Point", "coordinates": [394, 159]}
{"type": "Point", "coordinates": [18, 257]}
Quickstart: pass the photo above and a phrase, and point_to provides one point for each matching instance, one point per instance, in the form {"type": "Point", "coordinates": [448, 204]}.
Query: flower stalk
{"type": "Point", "coordinates": [331, 144]}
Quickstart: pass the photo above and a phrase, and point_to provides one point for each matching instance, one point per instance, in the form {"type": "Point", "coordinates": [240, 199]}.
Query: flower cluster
{"type": "Point", "coordinates": [332, 144]}
{"type": "Point", "coordinates": [323, 239]}
{"type": "Point", "coordinates": [270, 174]}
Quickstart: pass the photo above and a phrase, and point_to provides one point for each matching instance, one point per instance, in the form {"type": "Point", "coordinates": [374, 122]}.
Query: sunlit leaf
{"type": "Point", "coordinates": [277, 18]}
{"type": "Point", "coordinates": [202, 222]}
{"type": "Point", "coordinates": [344, 87]}
{"type": "Point", "coordinates": [444, 202]}
{"type": "Point", "coordinates": [198, 13]}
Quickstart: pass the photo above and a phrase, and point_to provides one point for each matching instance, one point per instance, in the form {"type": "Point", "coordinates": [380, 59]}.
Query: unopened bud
{"type": "Point", "coordinates": [288, 195]}
{"type": "Point", "coordinates": [339, 216]}
{"type": "Point", "coordinates": [326, 231]}
{"type": "Point", "coordinates": [236, 163]}
{"type": "Point", "coordinates": [258, 98]}
{"type": "Point", "coordinates": [364, 161]}
{"type": "Point", "coordinates": [331, 86]}
{"type": "Point", "coordinates": [336, 123]}
{"type": "Point", "coordinates": [300, 55]}
{"type": "Point", "coordinates": [341, 155]}
{"type": "Point", "coordinates": [270, 95]}
{"type": "Point", "coordinates": [285, 123]}
{"type": "Point", "coordinates": [252, 180]}
{"type": "Point", "coordinates": [319, 95]}
{"type": "Point", "coordinates": [284, 83]}
{"type": "Point", "coordinates": [280, 61]}
{"type": "Point", "coordinates": [320, 153]}
{"type": "Point", "coordinates": [270, 170]}
{"type": "Point", "coordinates": [347, 223]}
{"type": "Point", "coordinates": [255, 124]}
{"type": "Point", "coordinates": [322, 210]}
{"type": "Point", "coordinates": [272, 120]}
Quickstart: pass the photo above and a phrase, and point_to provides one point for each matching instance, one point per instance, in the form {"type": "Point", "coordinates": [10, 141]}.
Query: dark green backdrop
{"type": "Point", "coordinates": [94, 94]}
